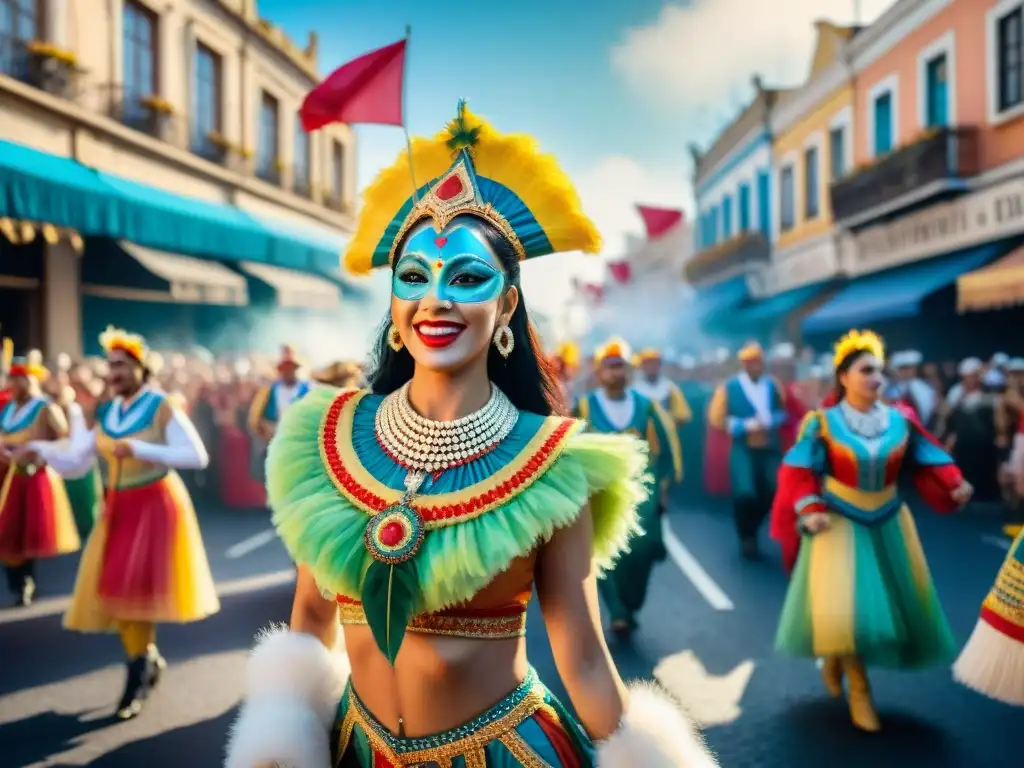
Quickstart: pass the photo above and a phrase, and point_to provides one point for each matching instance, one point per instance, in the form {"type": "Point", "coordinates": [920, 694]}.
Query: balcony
{"type": "Point", "coordinates": [40, 65]}
{"type": "Point", "coordinates": [146, 114]}
{"type": "Point", "coordinates": [212, 146]}
{"type": "Point", "coordinates": [334, 201]}
{"type": "Point", "coordinates": [749, 249]}
{"type": "Point", "coordinates": [269, 172]}
{"type": "Point", "coordinates": [938, 163]}
{"type": "Point", "coordinates": [300, 182]}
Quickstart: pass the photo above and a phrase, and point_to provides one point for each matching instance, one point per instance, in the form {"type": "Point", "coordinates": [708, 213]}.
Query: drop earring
{"type": "Point", "coordinates": [504, 341]}
{"type": "Point", "coordinates": [394, 339]}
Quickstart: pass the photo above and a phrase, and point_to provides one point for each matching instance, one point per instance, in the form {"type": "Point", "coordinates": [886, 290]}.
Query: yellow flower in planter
{"type": "Point", "coordinates": [49, 51]}
{"type": "Point", "coordinates": [158, 104]}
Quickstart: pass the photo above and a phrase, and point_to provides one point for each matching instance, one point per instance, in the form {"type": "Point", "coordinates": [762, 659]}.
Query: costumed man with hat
{"type": "Point", "coordinates": [751, 408]}
{"type": "Point", "coordinates": [566, 362]}
{"type": "Point", "coordinates": [144, 563]}
{"type": "Point", "coordinates": [914, 390]}
{"type": "Point", "coordinates": [661, 389]}
{"type": "Point", "coordinates": [35, 515]}
{"type": "Point", "coordinates": [615, 408]}
{"type": "Point", "coordinates": [270, 403]}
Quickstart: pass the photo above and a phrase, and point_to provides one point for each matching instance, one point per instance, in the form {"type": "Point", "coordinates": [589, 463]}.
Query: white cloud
{"type": "Point", "coordinates": [702, 54]}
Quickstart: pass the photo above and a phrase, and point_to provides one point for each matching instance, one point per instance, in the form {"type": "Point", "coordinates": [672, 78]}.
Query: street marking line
{"type": "Point", "coordinates": [247, 546]}
{"type": "Point", "coordinates": [996, 541]}
{"type": "Point", "coordinates": [53, 606]}
{"type": "Point", "coordinates": [694, 571]}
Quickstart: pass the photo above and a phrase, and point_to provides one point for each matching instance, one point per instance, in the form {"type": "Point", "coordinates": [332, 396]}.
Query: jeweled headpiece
{"type": "Point", "coordinates": [131, 344]}
{"type": "Point", "coordinates": [613, 349]}
{"type": "Point", "coordinates": [472, 169]}
{"type": "Point", "coordinates": [858, 341]}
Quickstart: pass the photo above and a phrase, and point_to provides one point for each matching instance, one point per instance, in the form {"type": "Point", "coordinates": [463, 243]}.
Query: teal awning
{"type": "Point", "coordinates": [896, 293]}
{"type": "Point", "coordinates": [774, 309]}
{"type": "Point", "coordinates": [716, 303]}
{"type": "Point", "coordinates": [37, 186]}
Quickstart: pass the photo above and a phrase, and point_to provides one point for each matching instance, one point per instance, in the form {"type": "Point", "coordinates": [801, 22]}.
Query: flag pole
{"type": "Point", "coordinates": [405, 113]}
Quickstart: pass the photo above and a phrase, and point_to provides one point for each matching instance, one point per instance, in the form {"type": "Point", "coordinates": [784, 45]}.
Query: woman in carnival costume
{"type": "Point", "coordinates": [992, 662]}
{"type": "Point", "coordinates": [35, 516]}
{"type": "Point", "coordinates": [616, 408]}
{"type": "Point", "coordinates": [425, 509]}
{"type": "Point", "coordinates": [144, 563]}
{"type": "Point", "coordinates": [861, 594]}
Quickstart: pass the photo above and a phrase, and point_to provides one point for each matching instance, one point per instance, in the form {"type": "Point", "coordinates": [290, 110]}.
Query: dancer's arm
{"type": "Point", "coordinates": [567, 589]}
{"type": "Point", "coordinates": [73, 456]}
{"type": "Point", "coordinates": [184, 448]}
{"type": "Point", "coordinates": [312, 613]}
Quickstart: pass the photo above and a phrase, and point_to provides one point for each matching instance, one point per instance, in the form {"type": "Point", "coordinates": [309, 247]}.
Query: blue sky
{"type": "Point", "coordinates": [615, 88]}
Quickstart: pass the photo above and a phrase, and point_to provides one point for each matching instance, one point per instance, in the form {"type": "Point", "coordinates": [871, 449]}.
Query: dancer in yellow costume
{"type": "Point", "coordinates": [654, 385]}
{"type": "Point", "coordinates": [424, 510]}
{"type": "Point", "coordinates": [144, 563]}
{"type": "Point", "coordinates": [35, 515]}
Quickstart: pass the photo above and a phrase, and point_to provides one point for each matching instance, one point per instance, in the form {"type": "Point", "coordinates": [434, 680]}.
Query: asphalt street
{"type": "Point", "coordinates": [707, 632]}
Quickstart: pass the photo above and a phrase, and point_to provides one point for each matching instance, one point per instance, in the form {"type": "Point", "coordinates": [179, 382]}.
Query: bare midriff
{"type": "Point", "coordinates": [441, 682]}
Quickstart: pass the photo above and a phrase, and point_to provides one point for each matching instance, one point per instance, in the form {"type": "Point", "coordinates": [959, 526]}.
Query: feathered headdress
{"type": "Point", "coordinates": [613, 349]}
{"type": "Point", "coordinates": [131, 344]}
{"type": "Point", "coordinates": [569, 353]}
{"type": "Point", "coordinates": [858, 341]}
{"type": "Point", "coordinates": [645, 355]}
{"type": "Point", "coordinates": [30, 365]}
{"type": "Point", "coordinates": [472, 169]}
{"type": "Point", "coordinates": [751, 351]}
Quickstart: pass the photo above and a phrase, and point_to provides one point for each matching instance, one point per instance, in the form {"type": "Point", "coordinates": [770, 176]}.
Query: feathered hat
{"type": "Point", "coordinates": [30, 365]}
{"type": "Point", "coordinates": [750, 351]}
{"type": "Point", "coordinates": [613, 349]}
{"type": "Point", "coordinates": [115, 339]}
{"type": "Point", "coordinates": [472, 169]}
{"type": "Point", "coordinates": [857, 341]}
{"type": "Point", "coordinates": [645, 355]}
{"type": "Point", "coordinates": [569, 353]}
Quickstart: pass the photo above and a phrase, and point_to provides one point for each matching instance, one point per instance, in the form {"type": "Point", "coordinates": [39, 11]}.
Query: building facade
{"type": "Point", "coordinates": [937, 190]}
{"type": "Point", "coordinates": [175, 125]}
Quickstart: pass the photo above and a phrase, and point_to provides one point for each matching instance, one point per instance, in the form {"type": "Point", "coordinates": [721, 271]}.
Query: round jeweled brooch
{"type": "Point", "coordinates": [394, 535]}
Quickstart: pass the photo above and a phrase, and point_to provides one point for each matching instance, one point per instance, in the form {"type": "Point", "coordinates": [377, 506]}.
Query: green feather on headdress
{"type": "Point", "coordinates": [460, 134]}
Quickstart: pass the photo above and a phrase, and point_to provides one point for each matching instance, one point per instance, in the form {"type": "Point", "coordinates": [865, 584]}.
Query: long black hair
{"type": "Point", "coordinates": [526, 376]}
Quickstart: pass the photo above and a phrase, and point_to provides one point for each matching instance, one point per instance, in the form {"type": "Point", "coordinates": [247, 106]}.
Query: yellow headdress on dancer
{"type": "Point", "coordinates": [858, 341]}
{"type": "Point", "coordinates": [569, 353]}
{"type": "Point", "coordinates": [613, 349]}
{"type": "Point", "coordinates": [470, 168]}
{"type": "Point", "coordinates": [645, 355]}
{"type": "Point", "coordinates": [30, 365]}
{"type": "Point", "coordinates": [751, 351]}
{"type": "Point", "coordinates": [133, 345]}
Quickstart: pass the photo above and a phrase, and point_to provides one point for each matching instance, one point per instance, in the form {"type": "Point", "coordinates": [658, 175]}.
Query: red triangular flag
{"type": "Point", "coordinates": [658, 221]}
{"type": "Point", "coordinates": [366, 90]}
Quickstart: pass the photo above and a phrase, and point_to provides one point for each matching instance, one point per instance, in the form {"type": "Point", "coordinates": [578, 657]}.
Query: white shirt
{"type": "Point", "coordinates": [657, 390]}
{"type": "Point", "coordinates": [619, 413]}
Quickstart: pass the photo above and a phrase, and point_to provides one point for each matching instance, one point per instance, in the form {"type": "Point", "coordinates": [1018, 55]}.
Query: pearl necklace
{"type": "Point", "coordinates": [423, 445]}
{"type": "Point", "coordinates": [870, 424]}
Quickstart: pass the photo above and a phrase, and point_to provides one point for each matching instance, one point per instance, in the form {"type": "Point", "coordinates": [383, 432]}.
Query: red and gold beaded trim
{"type": "Point", "coordinates": [368, 494]}
{"type": "Point", "coordinates": [497, 624]}
{"type": "Point", "coordinates": [1004, 606]}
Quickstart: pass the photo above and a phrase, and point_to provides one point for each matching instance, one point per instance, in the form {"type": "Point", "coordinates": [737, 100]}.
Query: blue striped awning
{"type": "Point", "coordinates": [895, 293]}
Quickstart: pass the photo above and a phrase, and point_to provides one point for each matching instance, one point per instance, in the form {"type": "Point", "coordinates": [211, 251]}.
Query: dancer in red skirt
{"type": "Point", "coordinates": [35, 516]}
{"type": "Point", "coordinates": [144, 563]}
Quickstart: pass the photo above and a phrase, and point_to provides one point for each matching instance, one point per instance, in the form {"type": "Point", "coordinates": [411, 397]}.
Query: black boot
{"type": "Point", "coordinates": [21, 583]}
{"type": "Point", "coordinates": [157, 665]}
{"type": "Point", "coordinates": [136, 687]}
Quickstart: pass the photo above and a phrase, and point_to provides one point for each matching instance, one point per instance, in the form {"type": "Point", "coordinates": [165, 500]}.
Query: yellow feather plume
{"type": "Point", "coordinates": [513, 160]}
{"type": "Point", "coordinates": [858, 341]}
{"type": "Point", "coordinates": [130, 343]}
{"type": "Point", "coordinates": [613, 348]}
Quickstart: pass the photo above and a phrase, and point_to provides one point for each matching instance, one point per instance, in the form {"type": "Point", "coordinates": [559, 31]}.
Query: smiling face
{"type": "Point", "coordinates": [864, 378]}
{"type": "Point", "coordinates": [125, 372]}
{"type": "Point", "coordinates": [448, 294]}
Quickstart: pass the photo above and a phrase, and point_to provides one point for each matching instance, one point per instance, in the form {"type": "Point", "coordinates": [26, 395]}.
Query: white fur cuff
{"type": "Point", "coordinates": [296, 666]}
{"type": "Point", "coordinates": [278, 732]}
{"type": "Point", "coordinates": [654, 733]}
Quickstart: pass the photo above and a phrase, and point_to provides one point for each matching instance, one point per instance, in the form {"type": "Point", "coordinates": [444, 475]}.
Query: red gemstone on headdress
{"type": "Point", "coordinates": [391, 534]}
{"type": "Point", "coordinates": [440, 242]}
{"type": "Point", "coordinates": [449, 188]}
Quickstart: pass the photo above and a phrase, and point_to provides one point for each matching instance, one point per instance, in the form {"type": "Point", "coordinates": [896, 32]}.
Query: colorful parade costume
{"type": "Point", "coordinates": [992, 662]}
{"type": "Point", "coordinates": [406, 534]}
{"type": "Point", "coordinates": [662, 390]}
{"type": "Point", "coordinates": [269, 405]}
{"type": "Point", "coordinates": [861, 593]}
{"type": "Point", "coordinates": [752, 411]}
{"type": "Point", "coordinates": [36, 521]}
{"type": "Point", "coordinates": [144, 563]}
{"type": "Point", "coordinates": [624, 587]}
{"type": "Point", "coordinates": [84, 487]}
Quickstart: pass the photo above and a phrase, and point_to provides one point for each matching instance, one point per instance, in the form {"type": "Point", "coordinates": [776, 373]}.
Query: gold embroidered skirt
{"type": "Point", "coordinates": [529, 727]}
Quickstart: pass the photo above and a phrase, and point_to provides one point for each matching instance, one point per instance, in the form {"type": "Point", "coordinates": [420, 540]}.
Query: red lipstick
{"type": "Point", "coordinates": [438, 334]}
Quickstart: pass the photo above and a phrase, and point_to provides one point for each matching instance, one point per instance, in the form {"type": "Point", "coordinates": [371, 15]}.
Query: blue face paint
{"type": "Point", "coordinates": [458, 265]}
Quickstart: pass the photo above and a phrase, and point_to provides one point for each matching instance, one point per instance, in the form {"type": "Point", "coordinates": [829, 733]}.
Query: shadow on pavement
{"type": "Point", "coordinates": [43, 652]}
{"type": "Point", "coordinates": [201, 743]}
{"type": "Point", "coordinates": [34, 739]}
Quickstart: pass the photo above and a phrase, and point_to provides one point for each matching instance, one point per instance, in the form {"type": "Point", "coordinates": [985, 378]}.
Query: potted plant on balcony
{"type": "Point", "coordinates": [52, 69]}
{"type": "Point", "coordinates": [160, 114]}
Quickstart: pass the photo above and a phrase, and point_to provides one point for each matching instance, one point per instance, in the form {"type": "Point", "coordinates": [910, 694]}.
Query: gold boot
{"type": "Point", "coordinates": [862, 708]}
{"type": "Point", "coordinates": [832, 675]}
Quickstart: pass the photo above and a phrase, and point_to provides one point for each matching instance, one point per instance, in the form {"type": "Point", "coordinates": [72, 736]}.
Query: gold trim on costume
{"type": "Point", "coordinates": [485, 627]}
{"type": "Point", "coordinates": [867, 501]}
{"type": "Point", "coordinates": [521, 751]}
{"type": "Point", "coordinates": [529, 459]}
